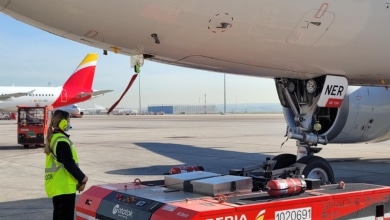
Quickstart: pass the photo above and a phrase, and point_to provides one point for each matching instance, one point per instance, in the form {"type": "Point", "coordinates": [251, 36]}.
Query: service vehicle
{"type": "Point", "coordinates": [5, 116]}
{"type": "Point", "coordinates": [32, 125]}
{"type": "Point", "coordinates": [250, 193]}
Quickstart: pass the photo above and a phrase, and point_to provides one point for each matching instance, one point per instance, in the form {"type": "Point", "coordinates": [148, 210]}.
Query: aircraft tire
{"type": "Point", "coordinates": [317, 168]}
{"type": "Point", "coordinates": [284, 160]}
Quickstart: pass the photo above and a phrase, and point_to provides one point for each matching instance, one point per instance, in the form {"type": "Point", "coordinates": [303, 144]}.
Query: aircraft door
{"type": "Point", "coordinates": [312, 26]}
{"type": "Point", "coordinates": [64, 95]}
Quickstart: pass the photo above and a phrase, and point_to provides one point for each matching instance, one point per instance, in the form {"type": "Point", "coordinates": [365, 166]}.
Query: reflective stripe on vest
{"type": "Point", "coordinates": [53, 167]}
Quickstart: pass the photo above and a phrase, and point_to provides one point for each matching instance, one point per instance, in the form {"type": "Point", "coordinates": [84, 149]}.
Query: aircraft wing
{"type": "Point", "coordinates": [5, 97]}
{"type": "Point", "coordinates": [84, 94]}
{"type": "Point", "coordinates": [94, 94]}
{"type": "Point", "coordinates": [97, 93]}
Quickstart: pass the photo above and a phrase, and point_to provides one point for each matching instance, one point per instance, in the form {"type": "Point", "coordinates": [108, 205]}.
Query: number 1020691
{"type": "Point", "coordinates": [294, 214]}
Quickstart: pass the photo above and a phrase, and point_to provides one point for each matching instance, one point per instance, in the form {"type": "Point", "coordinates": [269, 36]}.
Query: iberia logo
{"type": "Point", "coordinates": [260, 216]}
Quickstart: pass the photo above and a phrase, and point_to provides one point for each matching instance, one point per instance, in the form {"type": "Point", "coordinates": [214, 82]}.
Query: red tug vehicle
{"type": "Point", "coordinates": [33, 123]}
{"type": "Point", "coordinates": [244, 194]}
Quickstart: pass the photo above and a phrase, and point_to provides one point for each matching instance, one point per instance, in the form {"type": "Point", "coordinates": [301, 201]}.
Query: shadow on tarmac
{"type": "Point", "coordinates": [220, 161]}
{"type": "Point", "coordinates": [212, 159]}
{"type": "Point", "coordinates": [18, 147]}
{"type": "Point", "coordinates": [41, 208]}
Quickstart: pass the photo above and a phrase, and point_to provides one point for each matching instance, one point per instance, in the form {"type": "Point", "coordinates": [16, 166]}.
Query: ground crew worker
{"type": "Point", "coordinates": [63, 177]}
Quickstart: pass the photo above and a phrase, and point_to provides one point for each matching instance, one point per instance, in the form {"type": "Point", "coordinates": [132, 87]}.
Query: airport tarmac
{"type": "Point", "coordinates": [118, 149]}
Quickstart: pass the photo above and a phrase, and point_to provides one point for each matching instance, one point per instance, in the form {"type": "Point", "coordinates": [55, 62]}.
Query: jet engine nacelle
{"type": "Point", "coordinates": [364, 116]}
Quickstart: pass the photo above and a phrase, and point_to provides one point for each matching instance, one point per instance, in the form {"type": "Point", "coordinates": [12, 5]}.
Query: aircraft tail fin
{"type": "Point", "coordinates": [83, 76]}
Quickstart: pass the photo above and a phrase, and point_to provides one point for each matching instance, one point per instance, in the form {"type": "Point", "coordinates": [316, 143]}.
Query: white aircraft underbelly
{"type": "Point", "coordinates": [280, 38]}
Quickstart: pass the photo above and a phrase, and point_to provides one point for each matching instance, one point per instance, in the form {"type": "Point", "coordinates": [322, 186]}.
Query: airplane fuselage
{"type": "Point", "coordinates": [38, 96]}
{"type": "Point", "coordinates": [281, 38]}
{"type": "Point", "coordinates": [301, 43]}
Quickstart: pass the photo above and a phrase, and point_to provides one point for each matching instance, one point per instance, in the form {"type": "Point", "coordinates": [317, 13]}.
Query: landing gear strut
{"type": "Point", "coordinates": [300, 99]}
{"type": "Point", "coordinates": [308, 107]}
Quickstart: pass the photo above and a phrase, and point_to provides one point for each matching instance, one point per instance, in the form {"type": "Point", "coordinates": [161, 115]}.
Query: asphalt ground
{"type": "Point", "coordinates": [118, 149]}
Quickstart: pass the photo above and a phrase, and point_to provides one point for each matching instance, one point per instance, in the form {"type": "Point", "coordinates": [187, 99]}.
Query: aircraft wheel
{"type": "Point", "coordinates": [284, 160]}
{"type": "Point", "coordinates": [317, 168]}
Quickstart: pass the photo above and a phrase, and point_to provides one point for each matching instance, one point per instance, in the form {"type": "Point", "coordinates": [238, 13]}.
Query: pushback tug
{"type": "Point", "coordinates": [250, 193]}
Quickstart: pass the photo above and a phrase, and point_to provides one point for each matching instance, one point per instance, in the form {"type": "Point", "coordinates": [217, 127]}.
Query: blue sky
{"type": "Point", "coordinates": [32, 57]}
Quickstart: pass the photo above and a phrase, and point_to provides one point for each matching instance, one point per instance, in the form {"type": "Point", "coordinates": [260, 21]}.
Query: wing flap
{"type": "Point", "coordinates": [5, 97]}
{"type": "Point", "coordinates": [97, 93]}
{"type": "Point", "coordinates": [94, 93]}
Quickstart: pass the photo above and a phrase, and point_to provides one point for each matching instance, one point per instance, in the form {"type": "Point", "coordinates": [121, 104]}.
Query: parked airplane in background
{"type": "Point", "coordinates": [124, 111]}
{"type": "Point", "coordinates": [101, 110]}
{"type": "Point", "coordinates": [77, 88]}
{"type": "Point", "coordinates": [74, 110]}
{"type": "Point", "coordinates": [96, 110]}
{"type": "Point", "coordinates": [312, 49]}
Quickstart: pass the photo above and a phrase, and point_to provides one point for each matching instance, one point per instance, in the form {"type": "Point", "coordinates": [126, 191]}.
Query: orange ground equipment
{"type": "Point", "coordinates": [203, 195]}
{"type": "Point", "coordinates": [33, 123]}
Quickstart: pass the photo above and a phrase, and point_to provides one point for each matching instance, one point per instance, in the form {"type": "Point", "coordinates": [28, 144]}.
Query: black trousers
{"type": "Point", "coordinates": [64, 206]}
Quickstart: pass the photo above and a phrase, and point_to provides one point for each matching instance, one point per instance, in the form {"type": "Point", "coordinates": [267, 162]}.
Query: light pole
{"type": "Point", "coordinates": [224, 93]}
{"type": "Point", "coordinates": [139, 92]}
{"type": "Point", "coordinates": [205, 104]}
{"type": "Point", "coordinates": [236, 103]}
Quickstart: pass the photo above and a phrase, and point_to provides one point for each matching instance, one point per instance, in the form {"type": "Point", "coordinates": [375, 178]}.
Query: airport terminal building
{"type": "Point", "coordinates": [182, 109]}
{"type": "Point", "coordinates": [215, 109]}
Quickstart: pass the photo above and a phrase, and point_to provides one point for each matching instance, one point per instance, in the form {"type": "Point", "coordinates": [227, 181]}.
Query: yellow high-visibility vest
{"type": "Point", "coordinates": [58, 181]}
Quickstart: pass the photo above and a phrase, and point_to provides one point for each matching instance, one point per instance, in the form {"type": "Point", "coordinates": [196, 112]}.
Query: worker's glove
{"type": "Point", "coordinates": [80, 187]}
